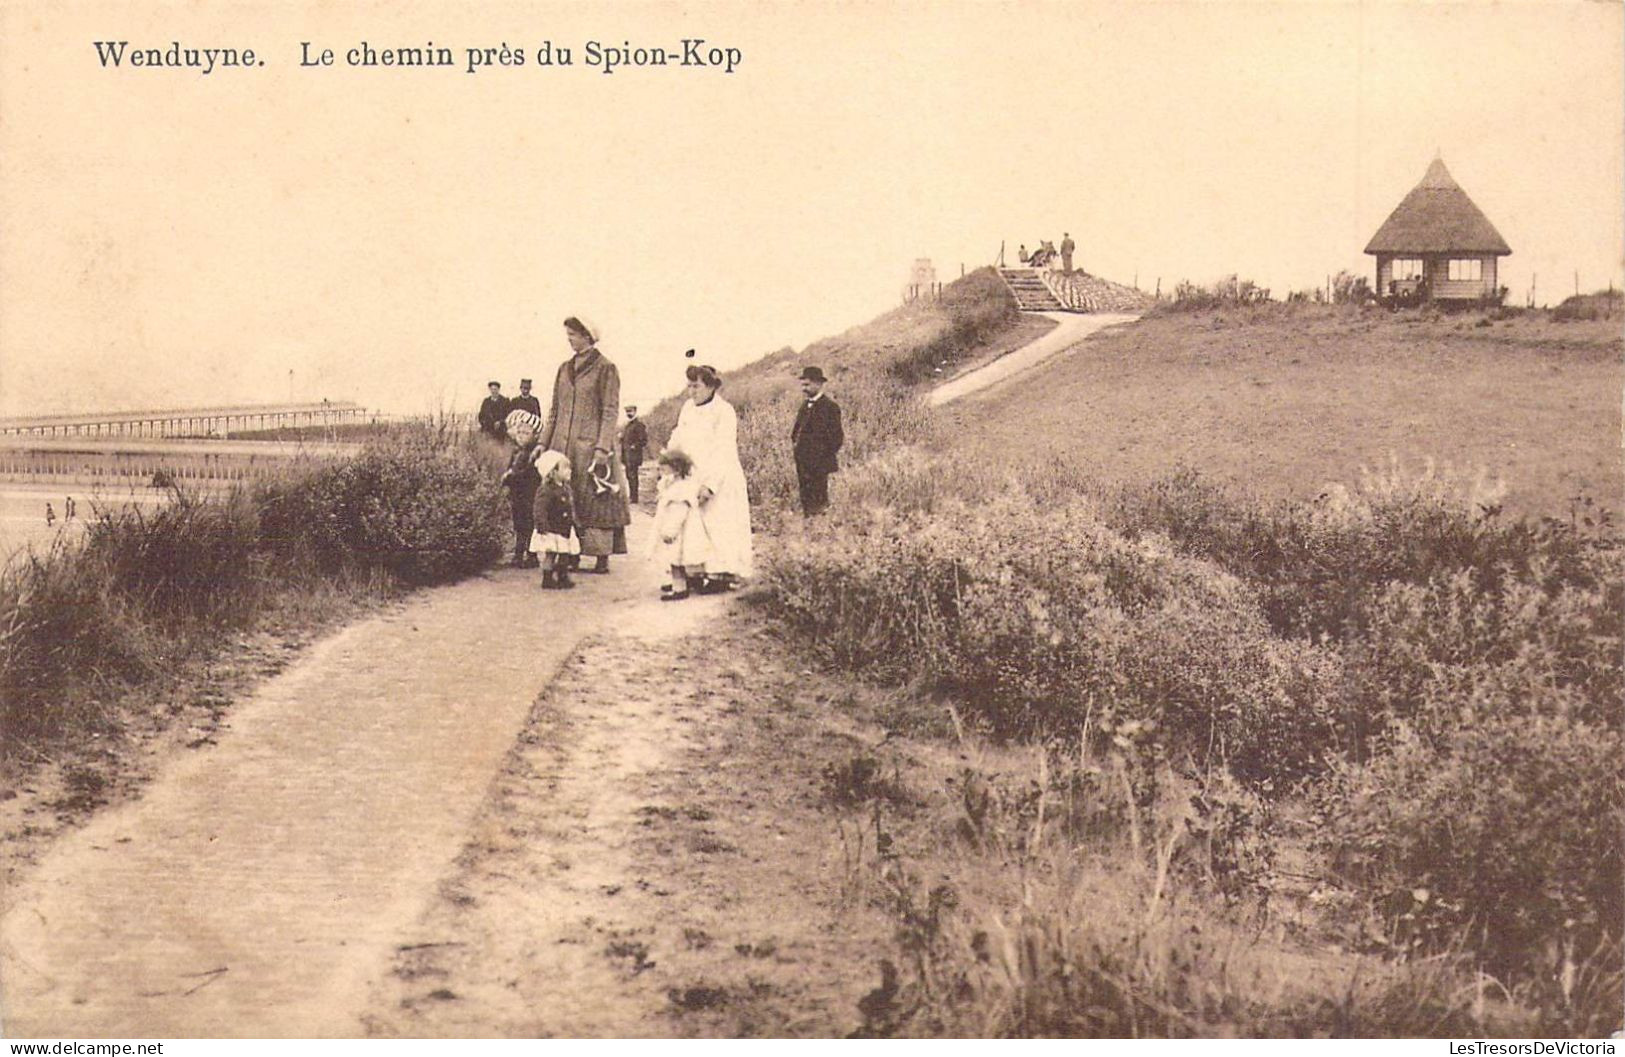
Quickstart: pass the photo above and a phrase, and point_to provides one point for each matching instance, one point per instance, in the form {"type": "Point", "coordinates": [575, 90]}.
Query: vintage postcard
{"type": "Point", "coordinates": [811, 520]}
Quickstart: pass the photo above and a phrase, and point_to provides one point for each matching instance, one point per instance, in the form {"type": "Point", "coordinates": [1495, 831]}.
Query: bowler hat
{"type": "Point", "coordinates": [812, 374]}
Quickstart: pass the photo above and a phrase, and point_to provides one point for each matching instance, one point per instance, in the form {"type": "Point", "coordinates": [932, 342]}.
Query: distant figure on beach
{"type": "Point", "coordinates": [634, 439]}
{"type": "Point", "coordinates": [817, 437]}
{"type": "Point", "coordinates": [493, 410]}
{"type": "Point", "coordinates": [1067, 246]}
{"type": "Point", "coordinates": [525, 401]}
{"type": "Point", "coordinates": [581, 427]}
{"type": "Point", "coordinates": [50, 515]}
{"type": "Point", "coordinates": [69, 509]}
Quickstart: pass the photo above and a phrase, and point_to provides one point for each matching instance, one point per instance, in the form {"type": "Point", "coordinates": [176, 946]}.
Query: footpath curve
{"type": "Point", "coordinates": [259, 887]}
{"type": "Point", "coordinates": [1070, 329]}
{"type": "Point", "coordinates": [254, 888]}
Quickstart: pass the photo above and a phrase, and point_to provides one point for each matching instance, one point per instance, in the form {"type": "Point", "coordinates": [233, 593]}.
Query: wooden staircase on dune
{"type": "Point", "coordinates": [1042, 290]}
{"type": "Point", "coordinates": [1032, 294]}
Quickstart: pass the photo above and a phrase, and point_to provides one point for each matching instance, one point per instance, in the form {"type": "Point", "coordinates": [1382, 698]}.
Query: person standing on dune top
{"type": "Point", "coordinates": [1067, 246]}
{"type": "Point", "coordinates": [581, 427]}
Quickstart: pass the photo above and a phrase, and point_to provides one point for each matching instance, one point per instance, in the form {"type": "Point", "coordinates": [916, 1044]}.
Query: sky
{"type": "Point", "coordinates": [400, 236]}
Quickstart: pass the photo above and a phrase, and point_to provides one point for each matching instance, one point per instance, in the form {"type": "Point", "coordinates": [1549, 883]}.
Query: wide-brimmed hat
{"type": "Point", "coordinates": [813, 374]}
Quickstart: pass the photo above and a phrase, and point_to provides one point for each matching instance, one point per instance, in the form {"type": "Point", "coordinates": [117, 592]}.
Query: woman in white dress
{"type": "Point", "coordinates": [708, 431]}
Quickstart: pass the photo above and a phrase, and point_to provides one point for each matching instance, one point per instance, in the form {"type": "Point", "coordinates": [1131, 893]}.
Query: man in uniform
{"type": "Point", "coordinates": [634, 439]}
{"type": "Point", "coordinates": [525, 401]}
{"type": "Point", "coordinates": [493, 410]}
{"type": "Point", "coordinates": [817, 438]}
{"type": "Point", "coordinates": [1067, 246]}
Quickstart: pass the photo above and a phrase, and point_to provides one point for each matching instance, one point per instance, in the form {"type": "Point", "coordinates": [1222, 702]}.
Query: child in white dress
{"type": "Point", "coordinates": [680, 540]}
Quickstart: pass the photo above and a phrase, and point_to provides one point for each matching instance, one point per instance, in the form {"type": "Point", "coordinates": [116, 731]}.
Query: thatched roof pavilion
{"type": "Point", "coordinates": [1437, 244]}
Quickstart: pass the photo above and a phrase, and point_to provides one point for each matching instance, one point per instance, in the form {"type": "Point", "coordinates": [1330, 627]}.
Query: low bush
{"type": "Point", "coordinates": [1503, 832]}
{"type": "Point", "coordinates": [421, 511]}
{"type": "Point", "coordinates": [149, 589]}
{"type": "Point", "coordinates": [1053, 625]}
{"type": "Point", "coordinates": [1609, 304]}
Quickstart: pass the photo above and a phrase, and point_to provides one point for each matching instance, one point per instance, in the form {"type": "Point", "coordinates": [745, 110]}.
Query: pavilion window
{"type": "Point", "coordinates": [1467, 270]}
{"type": "Point", "coordinates": [1407, 268]}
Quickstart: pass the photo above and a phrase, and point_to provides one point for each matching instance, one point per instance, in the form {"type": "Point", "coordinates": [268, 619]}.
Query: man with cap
{"type": "Point", "coordinates": [817, 438]}
{"type": "Point", "coordinates": [525, 401]}
{"type": "Point", "coordinates": [634, 438]}
{"type": "Point", "coordinates": [493, 410]}
{"type": "Point", "coordinates": [1067, 246]}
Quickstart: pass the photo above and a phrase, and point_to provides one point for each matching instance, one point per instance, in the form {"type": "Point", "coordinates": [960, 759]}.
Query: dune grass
{"type": "Point", "coordinates": [1399, 655]}
{"type": "Point", "coordinates": [148, 590]}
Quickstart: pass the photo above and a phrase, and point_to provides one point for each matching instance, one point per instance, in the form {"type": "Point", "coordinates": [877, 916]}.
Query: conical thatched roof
{"type": "Point", "coordinates": [1437, 217]}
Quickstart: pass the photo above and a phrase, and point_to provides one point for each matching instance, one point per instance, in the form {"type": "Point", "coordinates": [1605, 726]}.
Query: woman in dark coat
{"type": "Point", "coordinates": [586, 408]}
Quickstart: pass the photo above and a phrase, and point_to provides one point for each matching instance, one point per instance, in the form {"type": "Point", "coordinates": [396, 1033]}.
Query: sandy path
{"type": "Point", "coordinates": [1071, 328]}
{"type": "Point", "coordinates": [257, 886]}
{"type": "Point", "coordinates": [287, 881]}
{"type": "Point", "coordinates": [656, 857]}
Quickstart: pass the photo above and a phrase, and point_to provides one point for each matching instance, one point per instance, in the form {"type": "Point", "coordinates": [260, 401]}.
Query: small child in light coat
{"type": "Point", "coordinates": [681, 542]}
{"type": "Point", "coordinates": [554, 537]}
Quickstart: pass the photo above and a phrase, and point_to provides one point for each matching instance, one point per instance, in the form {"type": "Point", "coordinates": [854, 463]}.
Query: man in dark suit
{"type": "Point", "coordinates": [634, 439]}
{"type": "Point", "coordinates": [817, 438]}
{"type": "Point", "coordinates": [525, 401]}
{"type": "Point", "coordinates": [493, 410]}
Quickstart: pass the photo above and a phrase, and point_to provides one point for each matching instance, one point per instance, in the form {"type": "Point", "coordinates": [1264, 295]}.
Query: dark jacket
{"type": "Point", "coordinates": [524, 402]}
{"type": "Point", "coordinates": [493, 409]}
{"type": "Point", "coordinates": [522, 478]}
{"type": "Point", "coordinates": [555, 508]}
{"type": "Point", "coordinates": [817, 435]}
{"type": "Point", "coordinates": [634, 438]}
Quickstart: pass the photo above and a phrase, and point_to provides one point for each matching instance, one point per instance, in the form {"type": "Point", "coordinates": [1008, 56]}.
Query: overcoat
{"type": "Point", "coordinates": [634, 438]}
{"type": "Point", "coordinates": [817, 435]}
{"type": "Point", "coordinates": [493, 409]}
{"type": "Point", "coordinates": [586, 404]}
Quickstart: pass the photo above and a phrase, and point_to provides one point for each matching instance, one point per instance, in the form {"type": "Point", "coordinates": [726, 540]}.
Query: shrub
{"type": "Point", "coordinates": [1053, 625]}
{"type": "Point", "coordinates": [1601, 305]}
{"type": "Point", "coordinates": [420, 511]}
{"type": "Point", "coordinates": [1192, 297]}
{"type": "Point", "coordinates": [1505, 829]}
{"type": "Point", "coordinates": [149, 589]}
{"type": "Point", "coordinates": [1350, 289]}
{"type": "Point", "coordinates": [192, 558]}
{"type": "Point", "coordinates": [1320, 566]}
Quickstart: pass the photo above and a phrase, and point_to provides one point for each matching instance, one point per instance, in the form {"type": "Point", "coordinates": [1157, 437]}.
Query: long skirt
{"type": "Point", "coordinates": [601, 517]}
